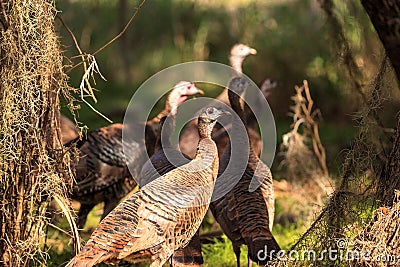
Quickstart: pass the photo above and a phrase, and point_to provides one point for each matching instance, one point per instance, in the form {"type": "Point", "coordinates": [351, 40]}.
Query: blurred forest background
{"type": "Point", "coordinates": [294, 41]}
{"type": "Point", "coordinates": [292, 37]}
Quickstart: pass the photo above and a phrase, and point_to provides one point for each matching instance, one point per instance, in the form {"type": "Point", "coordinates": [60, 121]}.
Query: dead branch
{"type": "Point", "coordinates": [88, 72]}
{"type": "Point", "coordinates": [305, 115]}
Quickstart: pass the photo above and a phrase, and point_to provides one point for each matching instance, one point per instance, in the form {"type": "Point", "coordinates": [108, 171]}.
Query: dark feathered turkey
{"type": "Point", "coordinates": [190, 137]}
{"type": "Point", "coordinates": [166, 158]}
{"type": "Point", "coordinates": [251, 120]}
{"type": "Point", "coordinates": [163, 215]}
{"type": "Point", "coordinates": [221, 136]}
{"type": "Point", "coordinates": [246, 217]}
{"type": "Point", "coordinates": [159, 164]}
{"type": "Point", "coordinates": [102, 173]}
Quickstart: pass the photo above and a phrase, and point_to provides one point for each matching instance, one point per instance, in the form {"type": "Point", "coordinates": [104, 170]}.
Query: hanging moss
{"type": "Point", "coordinates": [34, 168]}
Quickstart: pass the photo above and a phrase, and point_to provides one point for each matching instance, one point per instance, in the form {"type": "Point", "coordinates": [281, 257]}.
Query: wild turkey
{"type": "Point", "coordinates": [237, 55]}
{"type": "Point", "coordinates": [68, 129]}
{"type": "Point", "coordinates": [163, 215]}
{"type": "Point", "coordinates": [265, 88]}
{"type": "Point", "coordinates": [221, 136]}
{"type": "Point", "coordinates": [244, 216]}
{"type": "Point", "coordinates": [165, 159]}
{"type": "Point", "coordinates": [102, 173]}
{"type": "Point", "coordinates": [190, 137]}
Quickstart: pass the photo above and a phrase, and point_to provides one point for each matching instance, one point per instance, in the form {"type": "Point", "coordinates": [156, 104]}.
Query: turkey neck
{"type": "Point", "coordinates": [165, 112]}
{"type": "Point", "coordinates": [234, 100]}
{"type": "Point", "coordinates": [236, 63]}
{"type": "Point", "coordinates": [167, 125]}
{"type": "Point", "coordinates": [206, 149]}
{"type": "Point", "coordinates": [205, 127]}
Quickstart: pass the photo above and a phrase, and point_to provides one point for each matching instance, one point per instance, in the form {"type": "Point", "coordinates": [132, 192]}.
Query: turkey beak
{"type": "Point", "coordinates": [225, 113]}
{"type": "Point", "coordinates": [253, 51]}
{"type": "Point", "coordinates": [199, 91]}
{"type": "Point", "coordinates": [193, 90]}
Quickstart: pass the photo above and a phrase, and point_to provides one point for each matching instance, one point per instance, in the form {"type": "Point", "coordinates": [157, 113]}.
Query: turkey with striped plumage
{"type": "Point", "coordinates": [104, 173]}
{"type": "Point", "coordinates": [166, 158]}
{"type": "Point", "coordinates": [163, 215]}
{"type": "Point", "coordinates": [244, 215]}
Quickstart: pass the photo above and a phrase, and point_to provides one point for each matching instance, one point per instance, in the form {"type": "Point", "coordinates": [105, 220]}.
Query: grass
{"type": "Point", "coordinates": [221, 254]}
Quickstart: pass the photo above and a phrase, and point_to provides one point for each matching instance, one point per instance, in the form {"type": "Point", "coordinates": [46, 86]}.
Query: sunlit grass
{"type": "Point", "coordinates": [221, 254]}
{"type": "Point", "coordinates": [287, 235]}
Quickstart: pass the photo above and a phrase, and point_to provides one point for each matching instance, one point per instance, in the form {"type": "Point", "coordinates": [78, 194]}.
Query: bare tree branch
{"type": "Point", "coordinates": [137, 9]}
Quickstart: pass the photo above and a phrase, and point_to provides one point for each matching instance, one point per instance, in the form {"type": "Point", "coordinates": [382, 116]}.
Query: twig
{"type": "Point", "coordinates": [304, 114]}
{"type": "Point", "coordinates": [90, 91]}
{"type": "Point", "coordinates": [71, 222]}
{"type": "Point", "coordinates": [297, 125]}
{"type": "Point", "coordinates": [312, 125]}
{"type": "Point", "coordinates": [61, 230]}
{"type": "Point", "coordinates": [72, 36]}
{"type": "Point", "coordinates": [88, 71]}
{"type": "Point", "coordinates": [137, 9]}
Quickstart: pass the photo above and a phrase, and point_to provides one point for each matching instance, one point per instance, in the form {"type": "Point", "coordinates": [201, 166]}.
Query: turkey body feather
{"type": "Point", "coordinates": [163, 215]}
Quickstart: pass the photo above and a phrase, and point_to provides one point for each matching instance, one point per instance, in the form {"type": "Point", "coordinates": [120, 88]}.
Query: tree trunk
{"type": "Point", "coordinates": [389, 180]}
{"type": "Point", "coordinates": [384, 15]}
{"type": "Point", "coordinates": [33, 166]}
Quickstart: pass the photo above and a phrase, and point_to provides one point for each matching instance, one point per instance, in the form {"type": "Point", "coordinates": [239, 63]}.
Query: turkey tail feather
{"type": "Point", "coordinates": [262, 251]}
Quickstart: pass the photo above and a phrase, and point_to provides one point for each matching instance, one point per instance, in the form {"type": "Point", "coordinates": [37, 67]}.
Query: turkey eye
{"type": "Point", "coordinates": [210, 111]}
